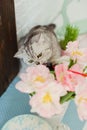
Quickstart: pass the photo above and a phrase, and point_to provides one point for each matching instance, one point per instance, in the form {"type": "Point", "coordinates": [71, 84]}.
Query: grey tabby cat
{"type": "Point", "coordinates": [40, 46]}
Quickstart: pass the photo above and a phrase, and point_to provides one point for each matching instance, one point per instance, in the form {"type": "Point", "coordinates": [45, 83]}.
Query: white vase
{"type": "Point", "coordinates": [55, 121]}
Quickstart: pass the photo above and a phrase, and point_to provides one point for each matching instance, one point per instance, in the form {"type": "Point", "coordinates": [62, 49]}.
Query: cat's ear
{"type": "Point", "coordinates": [34, 28]}
{"type": "Point", "coordinates": [51, 27]}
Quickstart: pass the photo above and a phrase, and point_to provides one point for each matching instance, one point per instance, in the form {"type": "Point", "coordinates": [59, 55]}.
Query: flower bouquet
{"type": "Point", "coordinates": [49, 89]}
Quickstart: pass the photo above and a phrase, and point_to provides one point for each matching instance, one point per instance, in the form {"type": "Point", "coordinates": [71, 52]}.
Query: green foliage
{"type": "Point", "coordinates": [31, 94]}
{"type": "Point", "coordinates": [72, 62]}
{"type": "Point", "coordinates": [85, 70]}
{"type": "Point", "coordinates": [71, 34]}
{"type": "Point", "coordinates": [67, 97]}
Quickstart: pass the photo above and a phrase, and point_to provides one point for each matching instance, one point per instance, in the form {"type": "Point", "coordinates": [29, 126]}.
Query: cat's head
{"type": "Point", "coordinates": [39, 42]}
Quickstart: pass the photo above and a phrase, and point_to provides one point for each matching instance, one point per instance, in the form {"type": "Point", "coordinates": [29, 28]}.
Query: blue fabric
{"type": "Point", "coordinates": [71, 118]}
{"type": "Point", "coordinates": [13, 103]}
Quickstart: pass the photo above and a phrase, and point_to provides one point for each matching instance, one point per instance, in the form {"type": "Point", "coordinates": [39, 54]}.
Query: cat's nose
{"type": "Point", "coordinates": [37, 62]}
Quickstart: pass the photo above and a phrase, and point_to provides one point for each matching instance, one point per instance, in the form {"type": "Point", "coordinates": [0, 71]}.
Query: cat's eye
{"type": "Point", "coordinates": [31, 61]}
{"type": "Point", "coordinates": [38, 56]}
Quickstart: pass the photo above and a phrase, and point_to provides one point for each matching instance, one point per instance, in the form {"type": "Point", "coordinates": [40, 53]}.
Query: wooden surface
{"type": "Point", "coordinates": [9, 66]}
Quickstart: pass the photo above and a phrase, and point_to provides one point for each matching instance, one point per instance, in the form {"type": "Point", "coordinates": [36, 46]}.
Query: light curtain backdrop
{"type": "Point", "coordinates": [61, 12]}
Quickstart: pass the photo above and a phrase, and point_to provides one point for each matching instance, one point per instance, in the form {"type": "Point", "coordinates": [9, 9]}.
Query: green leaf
{"type": "Point", "coordinates": [67, 97]}
{"type": "Point", "coordinates": [85, 70]}
{"type": "Point", "coordinates": [72, 62]}
{"type": "Point", "coordinates": [31, 94]}
{"type": "Point", "coordinates": [52, 72]}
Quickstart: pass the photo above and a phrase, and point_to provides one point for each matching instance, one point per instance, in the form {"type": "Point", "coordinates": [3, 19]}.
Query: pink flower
{"type": "Point", "coordinates": [68, 79]}
{"type": "Point", "coordinates": [76, 53]}
{"type": "Point", "coordinates": [34, 79]}
{"type": "Point", "coordinates": [46, 102]}
{"type": "Point", "coordinates": [81, 100]}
